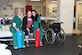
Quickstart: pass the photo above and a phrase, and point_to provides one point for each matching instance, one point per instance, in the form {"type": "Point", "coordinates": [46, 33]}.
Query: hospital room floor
{"type": "Point", "coordinates": [70, 47]}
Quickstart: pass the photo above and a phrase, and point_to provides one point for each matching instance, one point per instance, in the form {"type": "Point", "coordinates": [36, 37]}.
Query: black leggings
{"type": "Point", "coordinates": [26, 31]}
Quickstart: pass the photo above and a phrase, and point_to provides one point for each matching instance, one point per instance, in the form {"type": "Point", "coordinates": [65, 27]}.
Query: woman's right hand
{"type": "Point", "coordinates": [17, 28]}
{"type": "Point", "coordinates": [28, 29]}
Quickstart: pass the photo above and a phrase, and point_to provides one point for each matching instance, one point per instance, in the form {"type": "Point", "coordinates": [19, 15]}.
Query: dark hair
{"type": "Point", "coordinates": [36, 17]}
{"type": "Point", "coordinates": [34, 11]}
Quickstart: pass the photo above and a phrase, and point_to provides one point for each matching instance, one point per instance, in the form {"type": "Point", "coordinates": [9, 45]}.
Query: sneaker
{"type": "Point", "coordinates": [41, 44]}
{"type": "Point", "coordinates": [80, 46]}
{"type": "Point", "coordinates": [15, 47]}
{"type": "Point", "coordinates": [27, 45]}
{"type": "Point", "coordinates": [24, 46]}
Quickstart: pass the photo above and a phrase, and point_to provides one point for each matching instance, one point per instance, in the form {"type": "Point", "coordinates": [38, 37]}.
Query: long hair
{"type": "Point", "coordinates": [36, 16]}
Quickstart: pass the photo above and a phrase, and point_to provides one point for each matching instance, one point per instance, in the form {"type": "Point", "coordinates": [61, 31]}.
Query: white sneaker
{"type": "Point", "coordinates": [27, 44]}
{"type": "Point", "coordinates": [41, 44]}
{"type": "Point", "coordinates": [15, 47]}
{"type": "Point", "coordinates": [80, 46]}
{"type": "Point", "coordinates": [24, 46]}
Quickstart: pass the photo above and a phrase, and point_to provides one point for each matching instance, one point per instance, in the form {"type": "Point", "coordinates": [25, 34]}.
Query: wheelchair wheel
{"type": "Point", "coordinates": [61, 36]}
{"type": "Point", "coordinates": [49, 36]}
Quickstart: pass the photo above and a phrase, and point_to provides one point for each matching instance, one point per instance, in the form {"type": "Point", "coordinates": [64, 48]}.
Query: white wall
{"type": "Point", "coordinates": [79, 8]}
{"type": "Point", "coordinates": [1, 2]}
{"type": "Point", "coordinates": [15, 3]}
{"type": "Point", "coordinates": [51, 5]}
{"type": "Point", "coordinates": [65, 15]}
{"type": "Point", "coordinates": [36, 6]}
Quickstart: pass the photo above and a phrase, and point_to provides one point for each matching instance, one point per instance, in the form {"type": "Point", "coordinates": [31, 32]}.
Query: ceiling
{"type": "Point", "coordinates": [56, 0]}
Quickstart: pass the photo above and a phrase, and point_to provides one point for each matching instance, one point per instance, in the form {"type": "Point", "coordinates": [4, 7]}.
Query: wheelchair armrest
{"type": "Point", "coordinates": [47, 28]}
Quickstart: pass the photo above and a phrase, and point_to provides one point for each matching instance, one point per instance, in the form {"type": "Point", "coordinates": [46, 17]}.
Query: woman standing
{"type": "Point", "coordinates": [37, 25]}
{"type": "Point", "coordinates": [16, 25]}
{"type": "Point", "coordinates": [27, 26]}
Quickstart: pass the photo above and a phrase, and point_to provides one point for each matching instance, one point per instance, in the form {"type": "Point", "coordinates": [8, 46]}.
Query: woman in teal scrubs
{"type": "Point", "coordinates": [0, 26]}
{"type": "Point", "coordinates": [37, 25]}
{"type": "Point", "coordinates": [16, 25]}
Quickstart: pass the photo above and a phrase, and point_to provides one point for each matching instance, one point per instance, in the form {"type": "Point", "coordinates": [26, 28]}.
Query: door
{"type": "Point", "coordinates": [28, 7]}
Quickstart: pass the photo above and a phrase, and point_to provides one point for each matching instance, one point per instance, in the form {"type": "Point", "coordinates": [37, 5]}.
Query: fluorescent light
{"type": "Point", "coordinates": [34, 0]}
{"type": "Point", "coordinates": [53, 1]}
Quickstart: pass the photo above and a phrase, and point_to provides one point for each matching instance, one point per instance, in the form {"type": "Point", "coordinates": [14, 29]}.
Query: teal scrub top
{"type": "Point", "coordinates": [0, 26]}
{"type": "Point", "coordinates": [16, 20]}
{"type": "Point", "coordinates": [35, 24]}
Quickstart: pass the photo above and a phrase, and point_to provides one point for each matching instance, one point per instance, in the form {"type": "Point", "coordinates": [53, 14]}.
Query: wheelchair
{"type": "Point", "coordinates": [55, 32]}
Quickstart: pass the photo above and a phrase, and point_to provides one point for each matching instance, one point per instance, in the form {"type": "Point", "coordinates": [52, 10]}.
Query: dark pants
{"type": "Point", "coordinates": [26, 31]}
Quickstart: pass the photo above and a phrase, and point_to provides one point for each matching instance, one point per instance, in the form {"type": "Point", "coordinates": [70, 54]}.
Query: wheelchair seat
{"type": "Point", "coordinates": [56, 27]}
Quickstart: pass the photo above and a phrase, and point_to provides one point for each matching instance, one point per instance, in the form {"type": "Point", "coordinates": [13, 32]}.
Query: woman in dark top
{"type": "Point", "coordinates": [27, 26]}
{"type": "Point", "coordinates": [37, 25]}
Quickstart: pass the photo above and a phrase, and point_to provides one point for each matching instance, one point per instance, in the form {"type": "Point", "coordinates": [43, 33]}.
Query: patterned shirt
{"type": "Point", "coordinates": [29, 23]}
